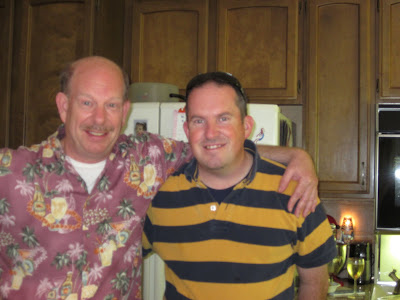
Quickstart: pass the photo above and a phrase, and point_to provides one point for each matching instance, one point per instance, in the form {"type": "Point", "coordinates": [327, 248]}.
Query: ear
{"type": "Point", "coordinates": [248, 124]}
{"type": "Point", "coordinates": [125, 111]}
{"type": "Point", "coordinates": [62, 105]}
{"type": "Point", "coordinates": [186, 129]}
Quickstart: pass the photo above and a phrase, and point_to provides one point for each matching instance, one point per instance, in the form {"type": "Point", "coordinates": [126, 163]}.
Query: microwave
{"type": "Point", "coordinates": [387, 205]}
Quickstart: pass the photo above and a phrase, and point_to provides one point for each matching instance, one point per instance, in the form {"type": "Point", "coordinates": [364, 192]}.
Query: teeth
{"type": "Point", "coordinates": [213, 147]}
{"type": "Point", "coordinates": [96, 133]}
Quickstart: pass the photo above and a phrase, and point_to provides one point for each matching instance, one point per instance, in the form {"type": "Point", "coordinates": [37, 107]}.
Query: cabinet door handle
{"type": "Point", "coordinates": [298, 87]}
{"type": "Point", "coordinates": [362, 173]}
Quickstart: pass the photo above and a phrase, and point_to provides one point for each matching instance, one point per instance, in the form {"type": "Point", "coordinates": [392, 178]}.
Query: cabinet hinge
{"type": "Point", "coordinates": [377, 5]}
{"type": "Point", "coordinates": [377, 86]}
{"type": "Point", "coordinates": [300, 4]}
{"type": "Point", "coordinates": [305, 6]}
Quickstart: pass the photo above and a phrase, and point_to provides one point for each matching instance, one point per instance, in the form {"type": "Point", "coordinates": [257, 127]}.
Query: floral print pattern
{"type": "Point", "coordinates": [59, 242]}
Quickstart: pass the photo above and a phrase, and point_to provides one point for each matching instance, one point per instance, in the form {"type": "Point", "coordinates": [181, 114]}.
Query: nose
{"type": "Point", "coordinates": [211, 130]}
{"type": "Point", "coordinates": [100, 115]}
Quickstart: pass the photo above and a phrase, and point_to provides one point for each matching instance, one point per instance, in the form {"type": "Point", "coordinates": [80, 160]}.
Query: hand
{"type": "Point", "coordinates": [301, 169]}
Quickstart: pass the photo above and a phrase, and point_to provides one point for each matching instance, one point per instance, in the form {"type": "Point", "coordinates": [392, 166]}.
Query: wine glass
{"type": "Point", "coordinates": [355, 267]}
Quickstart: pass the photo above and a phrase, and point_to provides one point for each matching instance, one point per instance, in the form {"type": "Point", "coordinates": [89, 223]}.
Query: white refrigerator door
{"type": "Point", "coordinates": [266, 123]}
{"type": "Point", "coordinates": [172, 117]}
{"type": "Point", "coordinates": [143, 115]}
{"type": "Point", "coordinates": [147, 114]}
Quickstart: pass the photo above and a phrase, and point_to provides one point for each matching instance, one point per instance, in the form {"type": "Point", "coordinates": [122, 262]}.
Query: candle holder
{"type": "Point", "coordinates": [347, 230]}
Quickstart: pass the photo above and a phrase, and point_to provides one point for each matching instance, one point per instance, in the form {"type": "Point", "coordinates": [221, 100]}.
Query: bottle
{"type": "Point", "coordinates": [66, 287]}
{"type": "Point", "coordinates": [39, 207]}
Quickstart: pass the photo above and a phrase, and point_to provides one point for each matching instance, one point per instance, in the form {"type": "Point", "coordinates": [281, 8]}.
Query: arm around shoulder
{"type": "Point", "coordinates": [300, 168]}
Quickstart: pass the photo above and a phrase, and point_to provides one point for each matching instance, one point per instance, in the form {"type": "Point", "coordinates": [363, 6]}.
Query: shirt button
{"type": "Point", "coordinates": [213, 207]}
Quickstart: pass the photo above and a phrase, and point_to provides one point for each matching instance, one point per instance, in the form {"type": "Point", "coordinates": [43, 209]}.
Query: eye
{"type": "Point", "coordinates": [86, 103]}
{"type": "Point", "coordinates": [113, 105]}
{"type": "Point", "coordinates": [224, 118]}
{"type": "Point", "coordinates": [197, 121]}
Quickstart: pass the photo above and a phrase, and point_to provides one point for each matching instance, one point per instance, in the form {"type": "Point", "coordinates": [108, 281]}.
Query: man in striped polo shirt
{"type": "Point", "coordinates": [220, 224]}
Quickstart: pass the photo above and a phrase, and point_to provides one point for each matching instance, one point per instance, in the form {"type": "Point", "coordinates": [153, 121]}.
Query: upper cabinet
{"type": "Point", "coordinates": [169, 40]}
{"type": "Point", "coordinates": [256, 40]}
{"type": "Point", "coordinates": [46, 35]}
{"type": "Point", "coordinates": [339, 121]}
{"type": "Point", "coordinates": [389, 51]}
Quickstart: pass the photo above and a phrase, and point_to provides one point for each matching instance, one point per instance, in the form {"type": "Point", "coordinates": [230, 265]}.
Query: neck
{"type": "Point", "coordinates": [227, 177]}
{"type": "Point", "coordinates": [86, 160]}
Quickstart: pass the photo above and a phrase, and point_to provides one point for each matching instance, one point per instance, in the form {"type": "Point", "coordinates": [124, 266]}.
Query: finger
{"type": "Point", "coordinates": [315, 197]}
{"type": "Point", "coordinates": [299, 207]}
{"type": "Point", "coordinates": [311, 203]}
{"type": "Point", "coordinates": [284, 182]}
{"type": "Point", "coordinates": [304, 205]}
{"type": "Point", "coordinates": [294, 198]}
{"type": "Point", "coordinates": [307, 208]}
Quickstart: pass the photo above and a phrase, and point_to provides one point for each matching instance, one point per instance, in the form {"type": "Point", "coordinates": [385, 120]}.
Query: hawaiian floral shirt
{"type": "Point", "coordinates": [57, 241]}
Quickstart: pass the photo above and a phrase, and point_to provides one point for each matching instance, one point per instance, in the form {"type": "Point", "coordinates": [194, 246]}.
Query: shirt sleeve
{"type": "Point", "coordinates": [315, 244]}
{"type": "Point", "coordinates": [174, 154]}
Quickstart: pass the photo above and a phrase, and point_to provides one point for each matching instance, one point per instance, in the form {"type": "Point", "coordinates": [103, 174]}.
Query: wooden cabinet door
{"type": "Point", "coordinates": [258, 42]}
{"type": "Point", "coordinates": [109, 29]}
{"type": "Point", "coordinates": [389, 50]}
{"type": "Point", "coordinates": [48, 34]}
{"type": "Point", "coordinates": [169, 40]}
{"type": "Point", "coordinates": [6, 18]}
{"type": "Point", "coordinates": [339, 121]}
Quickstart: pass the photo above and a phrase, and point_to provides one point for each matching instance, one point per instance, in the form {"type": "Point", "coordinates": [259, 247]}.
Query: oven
{"type": "Point", "coordinates": [387, 208]}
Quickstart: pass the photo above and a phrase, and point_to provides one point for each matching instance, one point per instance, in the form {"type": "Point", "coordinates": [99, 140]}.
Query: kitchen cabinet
{"type": "Point", "coordinates": [169, 41]}
{"type": "Point", "coordinates": [339, 121]}
{"type": "Point", "coordinates": [389, 51]}
{"type": "Point", "coordinates": [47, 34]}
{"type": "Point", "coordinates": [256, 40]}
{"type": "Point", "coordinates": [6, 11]}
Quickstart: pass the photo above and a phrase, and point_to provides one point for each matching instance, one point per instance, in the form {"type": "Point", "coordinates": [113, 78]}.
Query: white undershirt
{"type": "Point", "coordinates": [88, 172]}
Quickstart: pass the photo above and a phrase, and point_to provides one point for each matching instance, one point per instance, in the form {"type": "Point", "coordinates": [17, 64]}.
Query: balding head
{"type": "Point", "coordinates": [93, 107]}
{"type": "Point", "coordinates": [96, 62]}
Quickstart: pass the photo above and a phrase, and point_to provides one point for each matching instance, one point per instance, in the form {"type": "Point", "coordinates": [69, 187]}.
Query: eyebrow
{"type": "Point", "coordinates": [219, 115]}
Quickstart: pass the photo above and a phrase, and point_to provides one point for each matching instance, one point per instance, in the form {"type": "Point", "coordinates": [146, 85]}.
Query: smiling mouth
{"type": "Point", "coordinates": [212, 147]}
{"type": "Point", "coordinates": [97, 133]}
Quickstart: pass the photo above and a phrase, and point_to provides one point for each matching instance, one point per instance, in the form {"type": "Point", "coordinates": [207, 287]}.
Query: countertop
{"type": "Point", "coordinates": [364, 292]}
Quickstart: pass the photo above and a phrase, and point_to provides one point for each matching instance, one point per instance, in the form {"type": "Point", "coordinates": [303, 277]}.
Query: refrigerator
{"type": "Point", "coordinates": [271, 127]}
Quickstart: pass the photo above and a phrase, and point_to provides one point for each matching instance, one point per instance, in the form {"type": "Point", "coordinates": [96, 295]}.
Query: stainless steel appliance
{"type": "Point", "coordinates": [387, 208]}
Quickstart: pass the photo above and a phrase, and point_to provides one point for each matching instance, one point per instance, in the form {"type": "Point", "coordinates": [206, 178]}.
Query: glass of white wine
{"type": "Point", "coordinates": [355, 267]}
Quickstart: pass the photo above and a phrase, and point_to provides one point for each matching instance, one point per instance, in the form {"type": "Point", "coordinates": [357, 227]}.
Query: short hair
{"type": "Point", "coordinates": [220, 78]}
{"type": "Point", "coordinates": [67, 73]}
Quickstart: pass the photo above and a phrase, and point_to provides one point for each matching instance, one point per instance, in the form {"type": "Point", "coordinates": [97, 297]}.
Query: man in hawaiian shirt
{"type": "Point", "coordinates": [72, 208]}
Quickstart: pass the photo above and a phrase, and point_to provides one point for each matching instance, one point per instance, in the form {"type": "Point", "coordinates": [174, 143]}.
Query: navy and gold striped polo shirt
{"type": "Point", "coordinates": [246, 247]}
